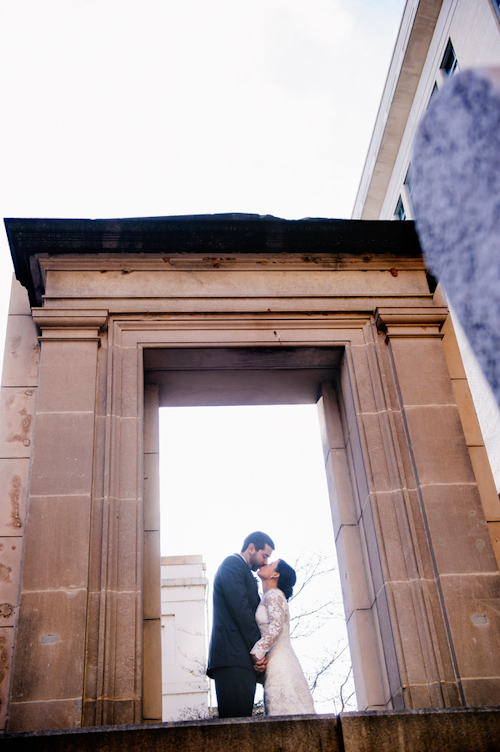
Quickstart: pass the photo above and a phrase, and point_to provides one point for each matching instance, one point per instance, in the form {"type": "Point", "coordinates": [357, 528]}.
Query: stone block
{"type": "Point", "coordinates": [363, 379]}
{"type": "Point", "coordinates": [494, 531]}
{"type": "Point", "coordinates": [96, 545]}
{"type": "Point", "coordinates": [450, 730]}
{"type": "Point", "coordinates": [234, 283]}
{"type": "Point", "coordinates": [151, 698]}
{"type": "Point", "coordinates": [347, 404]}
{"type": "Point", "coordinates": [356, 590]}
{"type": "Point", "coordinates": [470, 423]}
{"type": "Point", "coordinates": [372, 547]}
{"type": "Point", "coordinates": [411, 618]}
{"type": "Point", "coordinates": [438, 444]}
{"type": "Point", "coordinates": [130, 484]}
{"type": "Point", "coordinates": [420, 538]}
{"type": "Point", "coordinates": [397, 543]}
{"type": "Point", "coordinates": [482, 692]}
{"type": "Point", "coordinates": [151, 419]}
{"type": "Point", "coordinates": [6, 644]}
{"type": "Point", "coordinates": [422, 372]}
{"type": "Point", "coordinates": [92, 649]}
{"type": "Point", "coordinates": [20, 365]}
{"type": "Point", "coordinates": [19, 302]}
{"type": "Point", "coordinates": [13, 491]}
{"type": "Point", "coordinates": [100, 457]}
{"type": "Point", "coordinates": [357, 468]}
{"type": "Point", "coordinates": [90, 713]}
{"type": "Point", "coordinates": [57, 543]}
{"type": "Point", "coordinates": [120, 712]}
{"type": "Point", "coordinates": [152, 575]}
{"type": "Point", "coordinates": [473, 610]}
{"type": "Point", "coordinates": [387, 628]}
{"type": "Point", "coordinates": [342, 500]}
{"type": "Point", "coordinates": [17, 408]}
{"type": "Point", "coordinates": [127, 529]}
{"type": "Point", "coordinates": [151, 492]}
{"type": "Point", "coordinates": [370, 678]}
{"type": "Point", "coordinates": [485, 482]}
{"type": "Point", "coordinates": [35, 716]}
{"type": "Point", "coordinates": [452, 351]}
{"type": "Point", "coordinates": [63, 453]}
{"type": "Point", "coordinates": [440, 638]}
{"type": "Point", "coordinates": [123, 644]}
{"type": "Point", "coordinates": [131, 362]}
{"type": "Point", "coordinates": [10, 572]}
{"type": "Point", "coordinates": [332, 434]}
{"type": "Point", "coordinates": [67, 377]}
{"type": "Point", "coordinates": [422, 695]}
{"type": "Point", "coordinates": [50, 646]}
{"type": "Point", "coordinates": [406, 468]}
{"type": "Point", "coordinates": [456, 523]}
{"type": "Point", "coordinates": [376, 438]}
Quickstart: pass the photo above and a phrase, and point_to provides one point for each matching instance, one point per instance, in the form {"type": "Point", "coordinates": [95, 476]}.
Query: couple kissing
{"type": "Point", "coordinates": [251, 637]}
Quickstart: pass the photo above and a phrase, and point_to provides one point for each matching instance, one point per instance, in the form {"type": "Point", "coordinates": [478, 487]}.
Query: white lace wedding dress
{"type": "Point", "coordinates": [286, 691]}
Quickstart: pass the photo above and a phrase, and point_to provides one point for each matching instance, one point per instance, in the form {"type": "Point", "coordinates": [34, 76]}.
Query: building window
{"type": "Point", "coordinates": [449, 65]}
{"type": "Point", "coordinates": [408, 184]}
{"type": "Point", "coordinates": [400, 211]}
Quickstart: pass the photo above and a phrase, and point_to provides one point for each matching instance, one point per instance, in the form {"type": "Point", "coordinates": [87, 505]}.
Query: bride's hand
{"type": "Point", "coordinates": [259, 665]}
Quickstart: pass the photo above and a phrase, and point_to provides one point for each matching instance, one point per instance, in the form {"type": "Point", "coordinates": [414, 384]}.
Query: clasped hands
{"type": "Point", "coordinates": [259, 664]}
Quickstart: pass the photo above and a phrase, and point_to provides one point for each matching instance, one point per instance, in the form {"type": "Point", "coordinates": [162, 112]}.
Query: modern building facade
{"type": "Point", "coordinates": [436, 39]}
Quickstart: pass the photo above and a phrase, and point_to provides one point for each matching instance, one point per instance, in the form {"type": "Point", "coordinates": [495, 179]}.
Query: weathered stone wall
{"type": "Point", "coordinates": [465, 730]}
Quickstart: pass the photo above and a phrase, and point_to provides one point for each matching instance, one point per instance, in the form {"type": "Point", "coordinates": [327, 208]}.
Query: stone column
{"type": "Point", "coordinates": [151, 693]}
{"type": "Point", "coordinates": [49, 662]}
{"type": "Point", "coordinates": [19, 383]}
{"type": "Point", "coordinates": [456, 566]}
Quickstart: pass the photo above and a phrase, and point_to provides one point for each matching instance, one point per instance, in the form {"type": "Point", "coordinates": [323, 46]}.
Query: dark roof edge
{"type": "Point", "coordinates": [211, 234]}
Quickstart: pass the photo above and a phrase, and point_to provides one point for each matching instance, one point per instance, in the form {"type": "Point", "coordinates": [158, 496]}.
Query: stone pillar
{"type": "Point", "coordinates": [344, 470]}
{"type": "Point", "coordinates": [456, 579]}
{"type": "Point", "coordinates": [49, 663]}
{"type": "Point", "coordinates": [151, 695]}
{"type": "Point", "coordinates": [19, 384]}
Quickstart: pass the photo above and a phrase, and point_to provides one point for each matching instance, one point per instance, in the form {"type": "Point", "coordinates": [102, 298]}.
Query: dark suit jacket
{"type": "Point", "coordinates": [234, 631]}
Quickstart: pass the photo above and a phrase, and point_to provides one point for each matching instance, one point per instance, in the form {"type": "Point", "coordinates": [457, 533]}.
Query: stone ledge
{"type": "Point", "coordinates": [290, 734]}
{"type": "Point", "coordinates": [449, 730]}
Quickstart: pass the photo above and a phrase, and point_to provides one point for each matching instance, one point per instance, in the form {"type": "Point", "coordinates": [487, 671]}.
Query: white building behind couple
{"type": "Point", "coordinates": [185, 686]}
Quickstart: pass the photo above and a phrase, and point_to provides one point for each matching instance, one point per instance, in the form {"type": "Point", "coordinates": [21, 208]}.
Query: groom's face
{"type": "Point", "coordinates": [258, 559]}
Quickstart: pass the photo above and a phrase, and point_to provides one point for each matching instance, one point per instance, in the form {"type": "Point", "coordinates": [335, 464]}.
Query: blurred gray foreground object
{"type": "Point", "coordinates": [456, 162]}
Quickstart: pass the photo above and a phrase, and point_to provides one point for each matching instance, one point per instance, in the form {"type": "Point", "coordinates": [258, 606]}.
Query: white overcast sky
{"type": "Point", "coordinates": [113, 108]}
{"type": "Point", "coordinates": [121, 108]}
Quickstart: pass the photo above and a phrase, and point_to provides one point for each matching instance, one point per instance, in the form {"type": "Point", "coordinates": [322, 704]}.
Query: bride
{"type": "Point", "coordinates": [285, 687]}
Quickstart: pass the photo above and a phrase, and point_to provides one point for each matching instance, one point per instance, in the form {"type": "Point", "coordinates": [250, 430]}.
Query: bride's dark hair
{"type": "Point", "coordinates": [287, 578]}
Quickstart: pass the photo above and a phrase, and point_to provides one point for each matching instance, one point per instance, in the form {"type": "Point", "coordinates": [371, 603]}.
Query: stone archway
{"type": "Point", "coordinates": [112, 302]}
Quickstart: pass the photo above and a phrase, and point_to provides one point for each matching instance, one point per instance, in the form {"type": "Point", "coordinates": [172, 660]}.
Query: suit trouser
{"type": "Point", "coordinates": [235, 687]}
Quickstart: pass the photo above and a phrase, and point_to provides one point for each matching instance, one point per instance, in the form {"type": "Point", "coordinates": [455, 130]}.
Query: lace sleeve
{"type": "Point", "coordinates": [276, 607]}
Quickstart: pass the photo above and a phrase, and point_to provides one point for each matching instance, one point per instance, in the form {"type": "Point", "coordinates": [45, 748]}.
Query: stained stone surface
{"type": "Point", "coordinates": [456, 161]}
{"type": "Point", "coordinates": [452, 730]}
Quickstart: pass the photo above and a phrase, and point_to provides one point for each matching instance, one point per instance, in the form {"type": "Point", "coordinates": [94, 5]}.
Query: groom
{"type": "Point", "coordinates": [234, 631]}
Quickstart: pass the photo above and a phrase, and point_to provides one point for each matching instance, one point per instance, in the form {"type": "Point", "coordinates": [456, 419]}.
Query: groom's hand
{"type": "Point", "coordinates": [259, 665]}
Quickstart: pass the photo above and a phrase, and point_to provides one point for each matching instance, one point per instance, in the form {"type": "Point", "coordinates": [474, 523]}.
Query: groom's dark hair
{"type": "Point", "coordinates": [260, 540]}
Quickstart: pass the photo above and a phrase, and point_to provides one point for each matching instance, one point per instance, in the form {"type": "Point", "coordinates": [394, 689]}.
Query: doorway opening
{"type": "Point", "coordinates": [227, 469]}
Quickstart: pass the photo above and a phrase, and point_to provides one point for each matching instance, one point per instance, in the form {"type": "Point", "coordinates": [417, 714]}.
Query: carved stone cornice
{"type": "Point", "coordinates": [425, 321]}
{"type": "Point", "coordinates": [70, 324]}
